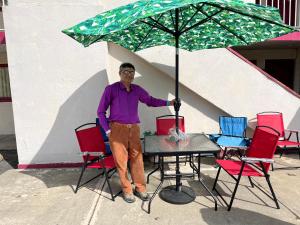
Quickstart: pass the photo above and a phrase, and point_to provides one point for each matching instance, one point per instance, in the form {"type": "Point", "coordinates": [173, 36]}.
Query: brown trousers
{"type": "Point", "coordinates": [125, 144]}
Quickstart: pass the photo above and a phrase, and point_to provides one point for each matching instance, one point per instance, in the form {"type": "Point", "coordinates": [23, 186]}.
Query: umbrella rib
{"type": "Point", "coordinates": [183, 26]}
{"type": "Point", "coordinates": [245, 14]}
{"type": "Point", "coordinates": [226, 28]}
{"type": "Point", "coordinates": [161, 26]}
{"type": "Point", "coordinates": [201, 22]}
{"type": "Point", "coordinates": [146, 35]}
{"type": "Point", "coordinates": [158, 27]}
{"type": "Point", "coordinates": [172, 18]}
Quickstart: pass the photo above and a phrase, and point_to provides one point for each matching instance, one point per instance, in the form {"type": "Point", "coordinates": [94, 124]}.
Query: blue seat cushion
{"type": "Point", "coordinates": [228, 141]}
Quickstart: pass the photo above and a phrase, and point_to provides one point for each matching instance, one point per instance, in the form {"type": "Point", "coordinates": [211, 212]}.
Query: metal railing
{"type": "Point", "coordinates": [289, 10]}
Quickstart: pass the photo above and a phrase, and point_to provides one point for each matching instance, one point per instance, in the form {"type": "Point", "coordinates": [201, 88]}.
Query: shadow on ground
{"type": "Point", "coordinates": [238, 216]}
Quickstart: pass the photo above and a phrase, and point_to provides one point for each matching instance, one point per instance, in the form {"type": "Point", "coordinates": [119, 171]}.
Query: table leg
{"type": "Point", "coordinates": [202, 183]}
{"type": "Point", "coordinates": [161, 168]}
{"type": "Point", "coordinates": [153, 196]}
{"type": "Point", "coordinates": [153, 171]}
{"type": "Point", "coordinates": [212, 195]}
{"type": "Point", "coordinates": [199, 162]}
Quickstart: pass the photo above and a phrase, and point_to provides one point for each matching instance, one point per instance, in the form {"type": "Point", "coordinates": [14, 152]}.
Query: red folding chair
{"type": "Point", "coordinates": [167, 122]}
{"type": "Point", "coordinates": [94, 154]}
{"type": "Point", "coordinates": [275, 120]}
{"type": "Point", "coordinates": [256, 163]}
{"type": "Point", "coordinates": [163, 125]}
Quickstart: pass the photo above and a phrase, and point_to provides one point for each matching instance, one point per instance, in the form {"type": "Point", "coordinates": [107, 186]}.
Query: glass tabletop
{"type": "Point", "coordinates": [194, 143]}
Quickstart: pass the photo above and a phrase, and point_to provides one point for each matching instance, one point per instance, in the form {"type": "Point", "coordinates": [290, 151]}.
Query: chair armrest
{"type": "Point", "coordinates": [292, 131]}
{"type": "Point", "coordinates": [295, 132]}
{"type": "Point", "coordinates": [254, 160]}
{"type": "Point", "coordinates": [236, 148]}
{"type": "Point", "coordinates": [99, 154]}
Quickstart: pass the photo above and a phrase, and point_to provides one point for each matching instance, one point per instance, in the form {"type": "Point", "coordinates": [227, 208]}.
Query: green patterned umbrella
{"type": "Point", "coordinates": [187, 24]}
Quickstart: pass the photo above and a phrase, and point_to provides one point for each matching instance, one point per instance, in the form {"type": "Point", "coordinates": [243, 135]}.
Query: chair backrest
{"type": "Point", "coordinates": [104, 136]}
{"type": "Point", "coordinates": [166, 122]}
{"type": "Point", "coordinates": [271, 119]}
{"type": "Point", "coordinates": [89, 138]}
{"type": "Point", "coordinates": [263, 144]}
{"type": "Point", "coordinates": [233, 126]}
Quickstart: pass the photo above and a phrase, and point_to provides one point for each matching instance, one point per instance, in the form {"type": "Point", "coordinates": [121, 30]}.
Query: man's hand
{"type": "Point", "coordinates": [172, 102]}
{"type": "Point", "coordinates": [177, 104]}
{"type": "Point", "coordinates": [108, 134]}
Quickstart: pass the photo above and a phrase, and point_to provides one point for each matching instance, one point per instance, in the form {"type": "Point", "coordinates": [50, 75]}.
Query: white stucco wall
{"type": "Point", "coordinates": [55, 82]}
{"type": "Point", "coordinates": [200, 115]}
{"type": "Point", "coordinates": [227, 82]}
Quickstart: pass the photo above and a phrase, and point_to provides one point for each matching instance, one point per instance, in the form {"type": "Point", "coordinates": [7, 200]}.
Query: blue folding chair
{"type": "Point", "coordinates": [105, 138]}
{"type": "Point", "coordinates": [232, 133]}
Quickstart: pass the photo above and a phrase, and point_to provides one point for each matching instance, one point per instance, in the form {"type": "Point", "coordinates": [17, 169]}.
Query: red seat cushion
{"type": "Point", "coordinates": [234, 167]}
{"type": "Point", "coordinates": [287, 143]}
{"type": "Point", "coordinates": [108, 162]}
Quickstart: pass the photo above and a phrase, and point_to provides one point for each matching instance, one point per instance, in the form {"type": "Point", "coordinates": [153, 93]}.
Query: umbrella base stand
{"type": "Point", "coordinates": [184, 196]}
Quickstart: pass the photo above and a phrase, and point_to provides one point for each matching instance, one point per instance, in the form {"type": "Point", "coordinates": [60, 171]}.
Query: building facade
{"type": "Point", "coordinates": [56, 84]}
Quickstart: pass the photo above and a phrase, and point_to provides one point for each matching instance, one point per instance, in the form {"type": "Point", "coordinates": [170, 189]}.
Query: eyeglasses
{"type": "Point", "coordinates": [127, 72]}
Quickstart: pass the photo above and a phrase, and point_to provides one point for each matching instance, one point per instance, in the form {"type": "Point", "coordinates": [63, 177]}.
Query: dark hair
{"type": "Point", "coordinates": [126, 65]}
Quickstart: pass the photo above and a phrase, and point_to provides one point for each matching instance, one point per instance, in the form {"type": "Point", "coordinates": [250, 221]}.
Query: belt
{"type": "Point", "coordinates": [126, 125]}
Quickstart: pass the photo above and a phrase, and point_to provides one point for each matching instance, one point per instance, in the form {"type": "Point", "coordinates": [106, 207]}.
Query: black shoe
{"type": "Point", "coordinates": [129, 198]}
{"type": "Point", "coordinates": [142, 195]}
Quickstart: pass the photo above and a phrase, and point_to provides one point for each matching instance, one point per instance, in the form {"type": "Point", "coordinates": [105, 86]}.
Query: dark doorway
{"type": "Point", "coordinates": [253, 61]}
{"type": "Point", "coordinates": [282, 70]}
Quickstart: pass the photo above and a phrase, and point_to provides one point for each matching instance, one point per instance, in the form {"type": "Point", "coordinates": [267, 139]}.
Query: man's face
{"type": "Point", "coordinates": [127, 75]}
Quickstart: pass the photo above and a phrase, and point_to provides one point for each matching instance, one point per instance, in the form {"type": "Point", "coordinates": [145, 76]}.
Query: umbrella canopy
{"type": "Point", "coordinates": [202, 24]}
{"type": "Point", "coordinates": [187, 24]}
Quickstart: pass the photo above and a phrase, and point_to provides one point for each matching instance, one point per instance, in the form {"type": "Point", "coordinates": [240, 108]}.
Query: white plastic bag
{"type": "Point", "coordinates": [174, 137]}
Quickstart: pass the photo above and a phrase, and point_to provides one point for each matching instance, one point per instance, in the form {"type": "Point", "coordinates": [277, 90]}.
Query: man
{"type": "Point", "coordinates": [123, 130]}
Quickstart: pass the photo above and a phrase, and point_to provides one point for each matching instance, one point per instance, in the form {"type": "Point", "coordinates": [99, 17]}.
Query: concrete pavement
{"type": "Point", "coordinates": [45, 196]}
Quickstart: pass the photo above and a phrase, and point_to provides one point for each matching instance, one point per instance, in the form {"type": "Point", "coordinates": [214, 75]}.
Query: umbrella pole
{"type": "Point", "coordinates": [177, 194]}
{"type": "Point", "coordinates": [177, 103]}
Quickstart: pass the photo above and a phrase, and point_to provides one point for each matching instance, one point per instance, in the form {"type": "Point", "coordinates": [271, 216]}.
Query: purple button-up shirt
{"type": "Point", "coordinates": [123, 104]}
